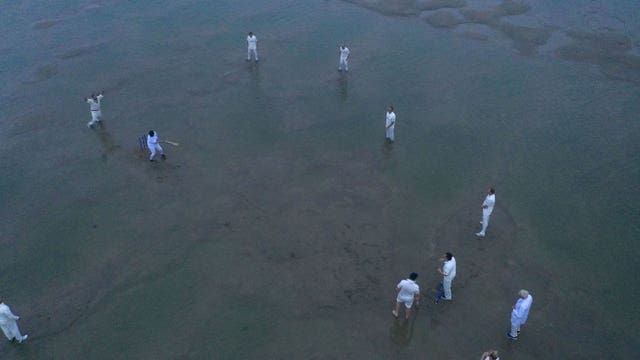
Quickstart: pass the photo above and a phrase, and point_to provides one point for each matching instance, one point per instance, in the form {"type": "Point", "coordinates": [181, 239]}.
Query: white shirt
{"type": "Point", "coordinates": [520, 314]}
{"type": "Point", "coordinates": [6, 314]}
{"type": "Point", "coordinates": [391, 119]}
{"type": "Point", "coordinates": [95, 104]}
{"type": "Point", "coordinates": [252, 41]}
{"type": "Point", "coordinates": [449, 269]}
{"type": "Point", "coordinates": [489, 201]}
{"type": "Point", "coordinates": [408, 290]}
{"type": "Point", "coordinates": [344, 53]}
{"type": "Point", "coordinates": [152, 140]}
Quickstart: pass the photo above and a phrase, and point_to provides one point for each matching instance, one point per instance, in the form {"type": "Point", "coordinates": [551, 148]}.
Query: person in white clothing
{"type": "Point", "coordinates": [448, 271]}
{"type": "Point", "coordinates": [94, 107]}
{"type": "Point", "coordinates": [9, 325]}
{"type": "Point", "coordinates": [490, 355]}
{"type": "Point", "coordinates": [154, 145]}
{"type": "Point", "coordinates": [520, 313]}
{"type": "Point", "coordinates": [487, 209]}
{"type": "Point", "coordinates": [408, 292]}
{"type": "Point", "coordinates": [390, 124]}
{"type": "Point", "coordinates": [344, 58]}
{"type": "Point", "coordinates": [252, 46]}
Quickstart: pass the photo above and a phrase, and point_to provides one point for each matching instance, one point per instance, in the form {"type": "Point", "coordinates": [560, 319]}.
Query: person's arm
{"type": "Point", "coordinates": [12, 315]}
{"type": "Point", "coordinates": [393, 121]}
{"type": "Point", "coordinates": [416, 298]}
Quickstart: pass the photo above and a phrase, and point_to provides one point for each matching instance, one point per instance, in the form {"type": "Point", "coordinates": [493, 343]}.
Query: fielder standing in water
{"type": "Point", "coordinates": [252, 46]}
{"type": "Point", "coordinates": [94, 107]}
{"type": "Point", "coordinates": [344, 58]}
{"type": "Point", "coordinates": [9, 325]}
{"type": "Point", "coordinates": [487, 208]}
{"type": "Point", "coordinates": [154, 145]}
{"type": "Point", "coordinates": [390, 123]}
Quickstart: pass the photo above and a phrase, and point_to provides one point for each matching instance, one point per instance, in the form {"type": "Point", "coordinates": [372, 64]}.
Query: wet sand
{"type": "Point", "coordinates": [282, 223]}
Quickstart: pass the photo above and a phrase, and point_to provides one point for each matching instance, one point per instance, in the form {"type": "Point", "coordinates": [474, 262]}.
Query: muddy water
{"type": "Point", "coordinates": [280, 225]}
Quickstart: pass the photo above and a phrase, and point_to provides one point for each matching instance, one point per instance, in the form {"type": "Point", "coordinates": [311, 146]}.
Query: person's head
{"type": "Point", "coordinates": [493, 354]}
{"type": "Point", "coordinates": [492, 191]}
{"type": "Point", "coordinates": [390, 109]}
{"type": "Point", "coordinates": [94, 96]}
{"type": "Point", "coordinates": [413, 276]}
{"type": "Point", "coordinates": [250, 33]}
{"type": "Point", "coordinates": [152, 133]}
{"type": "Point", "coordinates": [523, 293]}
{"type": "Point", "coordinates": [343, 46]}
{"type": "Point", "coordinates": [448, 255]}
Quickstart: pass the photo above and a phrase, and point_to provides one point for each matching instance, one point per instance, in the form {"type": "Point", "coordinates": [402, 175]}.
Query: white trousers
{"type": "Point", "coordinates": [253, 51]}
{"type": "Point", "coordinates": [95, 117]}
{"type": "Point", "coordinates": [446, 285]}
{"type": "Point", "coordinates": [153, 149]}
{"type": "Point", "coordinates": [514, 329]}
{"type": "Point", "coordinates": [390, 134]}
{"type": "Point", "coordinates": [343, 64]}
{"type": "Point", "coordinates": [485, 223]}
{"type": "Point", "coordinates": [10, 330]}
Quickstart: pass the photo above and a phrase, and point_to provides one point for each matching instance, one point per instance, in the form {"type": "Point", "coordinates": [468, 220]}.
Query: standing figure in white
{"type": "Point", "coordinates": [94, 107]}
{"type": "Point", "coordinates": [154, 145]}
{"type": "Point", "coordinates": [391, 124]}
{"type": "Point", "coordinates": [9, 325]}
{"type": "Point", "coordinates": [344, 58]}
{"type": "Point", "coordinates": [252, 46]}
{"type": "Point", "coordinates": [487, 208]}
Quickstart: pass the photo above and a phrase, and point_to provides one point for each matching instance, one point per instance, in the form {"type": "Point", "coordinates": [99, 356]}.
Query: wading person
{"type": "Point", "coordinates": [408, 292]}
{"type": "Point", "coordinates": [448, 271]}
{"type": "Point", "coordinates": [9, 325]}
{"type": "Point", "coordinates": [154, 145]}
{"type": "Point", "coordinates": [487, 208]}
{"type": "Point", "coordinates": [520, 313]}
{"type": "Point", "coordinates": [391, 124]}
{"type": "Point", "coordinates": [252, 47]}
{"type": "Point", "coordinates": [344, 58]}
{"type": "Point", "coordinates": [94, 108]}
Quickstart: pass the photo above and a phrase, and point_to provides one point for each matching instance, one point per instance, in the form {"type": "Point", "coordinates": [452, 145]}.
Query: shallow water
{"type": "Point", "coordinates": [280, 225]}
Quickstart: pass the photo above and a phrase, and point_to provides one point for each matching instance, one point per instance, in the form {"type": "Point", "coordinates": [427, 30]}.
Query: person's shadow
{"type": "Point", "coordinates": [402, 329]}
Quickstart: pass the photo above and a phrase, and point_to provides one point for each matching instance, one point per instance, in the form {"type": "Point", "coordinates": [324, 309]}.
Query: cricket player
{"type": "Point", "coordinates": [9, 325]}
{"type": "Point", "coordinates": [390, 123]}
{"type": "Point", "coordinates": [154, 145]}
{"type": "Point", "coordinates": [252, 46]}
{"type": "Point", "coordinates": [344, 58]}
{"type": "Point", "coordinates": [94, 107]}
{"type": "Point", "coordinates": [487, 209]}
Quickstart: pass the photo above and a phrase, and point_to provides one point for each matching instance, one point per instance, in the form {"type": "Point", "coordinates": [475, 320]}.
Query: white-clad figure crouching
{"type": "Point", "coordinates": [390, 123]}
{"type": "Point", "coordinates": [344, 58]}
{"type": "Point", "coordinates": [252, 47]}
{"type": "Point", "coordinates": [487, 208]}
{"type": "Point", "coordinates": [154, 145]}
{"type": "Point", "coordinates": [9, 325]}
{"type": "Point", "coordinates": [408, 293]}
{"type": "Point", "coordinates": [94, 108]}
